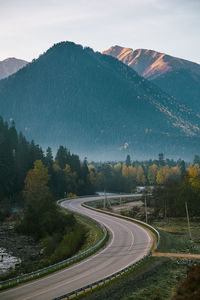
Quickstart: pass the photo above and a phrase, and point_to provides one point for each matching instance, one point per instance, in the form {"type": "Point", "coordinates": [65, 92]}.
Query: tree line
{"type": "Point", "coordinates": [17, 156]}
{"type": "Point", "coordinates": [174, 183]}
{"type": "Point", "coordinates": [125, 176]}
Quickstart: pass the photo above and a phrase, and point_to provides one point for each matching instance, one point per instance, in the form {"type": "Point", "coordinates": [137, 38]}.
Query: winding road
{"type": "Point", "coordinates": [128, 243]}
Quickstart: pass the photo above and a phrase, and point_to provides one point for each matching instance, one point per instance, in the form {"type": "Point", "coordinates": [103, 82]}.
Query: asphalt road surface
{"type": "Point", "coordinates": [128, 243]}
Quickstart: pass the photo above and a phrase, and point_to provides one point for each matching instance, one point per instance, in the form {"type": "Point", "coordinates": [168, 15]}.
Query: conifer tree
{"type": "Point", "coordinates": [128, 160]}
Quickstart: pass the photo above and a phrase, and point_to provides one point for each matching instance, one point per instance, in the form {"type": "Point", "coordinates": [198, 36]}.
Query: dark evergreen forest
{"type": "Point", "coordinates": [17, 156]}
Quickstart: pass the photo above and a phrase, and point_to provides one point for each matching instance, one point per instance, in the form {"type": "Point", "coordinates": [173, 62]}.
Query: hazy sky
{"type": "Point", "coordinates": [29, 27]}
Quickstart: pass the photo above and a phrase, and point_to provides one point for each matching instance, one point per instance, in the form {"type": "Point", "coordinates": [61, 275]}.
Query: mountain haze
{"type": "Point", "coordinates": [96, 106]}
{"type": "Point", "coordinates": [10, 66]}
{"type": "Point", "coordinates": [177, 77]}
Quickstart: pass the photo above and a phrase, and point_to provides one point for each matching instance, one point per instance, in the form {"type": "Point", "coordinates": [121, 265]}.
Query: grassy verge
{"type": "Point", "coordinates": [94, 232]}
{"type": "Point", "coordinates": [174, 236]}
{"type": "Point", "coordinates": [154, 279]}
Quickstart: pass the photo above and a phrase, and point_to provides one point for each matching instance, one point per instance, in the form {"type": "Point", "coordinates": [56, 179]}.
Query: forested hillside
{"type": "Point", "coordinates": [182, 84]}
{"type": "Point", "coordinates": [96, 106]}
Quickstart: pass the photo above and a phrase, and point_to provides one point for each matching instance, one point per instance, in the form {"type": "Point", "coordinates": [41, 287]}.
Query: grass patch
{"type": "Point", "coordinates": [175, 238]}
{"type": "Point", "coordinates": [94, 232]}
{"type": "Point", "coordinates": [154, 279]}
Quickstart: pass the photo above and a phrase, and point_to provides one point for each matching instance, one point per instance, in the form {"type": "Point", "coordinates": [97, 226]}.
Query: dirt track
{"type": "Point", "coordinates": [179, 255]}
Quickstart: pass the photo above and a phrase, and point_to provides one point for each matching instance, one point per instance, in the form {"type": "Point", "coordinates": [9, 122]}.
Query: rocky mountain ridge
{"type": "Point", "coordinates": [175, 76]}
{"type": "Point", "coordinates": [150, 63]}
{"type": "Point", "coordinates": [10, 66]}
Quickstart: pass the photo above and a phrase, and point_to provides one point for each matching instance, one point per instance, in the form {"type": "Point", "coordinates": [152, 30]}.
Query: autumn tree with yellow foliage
{"type": "Point", "coordinates": [59, 233]}
{"type": "Point", "coordinates": [36, 183]}
{"type": "Point", "coordinates": [170, 198]}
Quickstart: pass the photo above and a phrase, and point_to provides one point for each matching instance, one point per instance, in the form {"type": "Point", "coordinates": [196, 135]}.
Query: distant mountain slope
{"type": "Point", "coordinates": [177, 77]}
{"type": "Point", "coordinates": [10, 66]}
{"type": "Point", "coordinates": [184, 84]}
{"type": "Point", "coordinates": [97, 106]}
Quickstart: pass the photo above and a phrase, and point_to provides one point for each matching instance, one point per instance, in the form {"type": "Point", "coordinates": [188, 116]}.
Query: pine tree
{"type": "Point", "coordinates": [128, 160]}
{"type": "Point", "coordinates": [62, 157]}
{"type": "Point", "coordinates": [6, 168]}
{"type": "Point", "coordinates": [13, 136]}
{"type": "Point", "coordinates": [182, 167]}
{"type": "Point", "coordinates": [196, 160]}
{"type": "Point", "coordinates": [48, 160]}
{"type": "Point", "coordinates": [161, 159]}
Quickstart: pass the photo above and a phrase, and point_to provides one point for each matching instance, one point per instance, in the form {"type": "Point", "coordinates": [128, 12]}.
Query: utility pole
{"type": "Point", "coordinates": [145, 202]}
{"type": "Point", "coordinates": [120, 201]}
{"type": "Point", "coordinates": [109, 202]}
{"type": "Point", "coordinates": [165, 209]}
{"type": "Point", "coordinates": [104, 205]}
{"type": "Point", "coordinates": [188, 220]}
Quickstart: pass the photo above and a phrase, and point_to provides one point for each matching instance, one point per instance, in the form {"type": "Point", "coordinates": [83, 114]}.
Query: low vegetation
{"type": "Point", "coordinates": [175, 237]}
{"type": "Point", "coordinates": [154, 279]}
{"type": "Point", "coordinates": [93, 232]}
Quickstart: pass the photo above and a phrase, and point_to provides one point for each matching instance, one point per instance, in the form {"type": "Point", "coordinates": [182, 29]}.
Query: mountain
{"type": "Point", "coordinates": [177, 77]}
{"type": "Point", "coordinates": [96, 106]}
{"type": "Point", "coordinates": [11, 65]}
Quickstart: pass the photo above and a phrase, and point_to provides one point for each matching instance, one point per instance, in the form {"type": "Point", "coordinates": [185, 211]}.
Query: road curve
{"type": "Point", "coordinates": [128, 243]}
